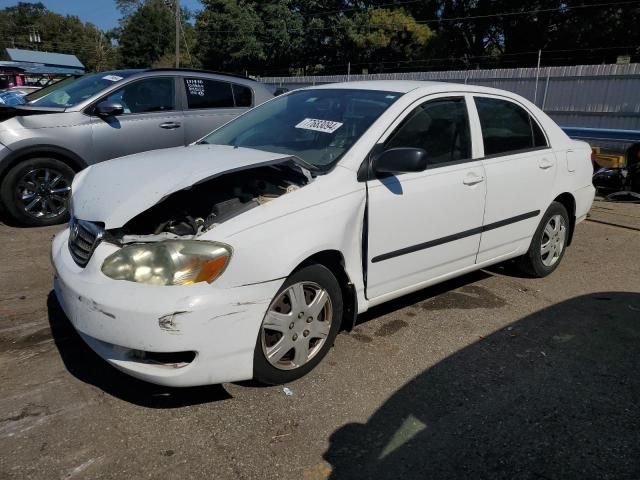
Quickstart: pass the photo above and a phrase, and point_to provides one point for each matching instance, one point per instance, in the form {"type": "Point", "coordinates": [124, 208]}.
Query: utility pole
{"type": "Point", "coordinates": [177, 5]}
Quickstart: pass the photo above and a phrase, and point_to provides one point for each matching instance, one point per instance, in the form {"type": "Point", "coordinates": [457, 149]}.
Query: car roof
{"type": "Point", "coordinates": [406, 86]}
{"type": "Point", "coordinates": [191, 71]}
{"type": "Point", "coordinates": [197, 71]}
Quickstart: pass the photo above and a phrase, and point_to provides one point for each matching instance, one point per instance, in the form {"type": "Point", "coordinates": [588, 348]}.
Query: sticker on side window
{"type": "Point", "coordinates": [195, 86]}
{"type": "Point", "coordinates": [112, 78]}
{"type": "Point", "coordinates": [324, 126]}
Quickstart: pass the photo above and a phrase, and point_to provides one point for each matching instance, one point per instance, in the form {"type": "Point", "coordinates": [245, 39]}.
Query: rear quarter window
{"type": "Point", "coordinates": [243, 95]}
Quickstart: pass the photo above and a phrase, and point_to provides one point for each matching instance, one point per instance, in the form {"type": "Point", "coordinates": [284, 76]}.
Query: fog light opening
{"type": "Point", "coordinates": [165, 359]}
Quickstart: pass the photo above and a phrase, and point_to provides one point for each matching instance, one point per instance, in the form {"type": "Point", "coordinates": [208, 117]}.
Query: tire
{"type": "Point", "coordinates": [35, 192]}
{"type": "Point", "coordinates": [296, 343]}
{"type": "Point", "coordinates": [554, 240]}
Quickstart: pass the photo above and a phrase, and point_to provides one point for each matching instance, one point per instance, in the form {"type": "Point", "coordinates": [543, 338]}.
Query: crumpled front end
{"type": "Point", "coordinates": [177, 336]}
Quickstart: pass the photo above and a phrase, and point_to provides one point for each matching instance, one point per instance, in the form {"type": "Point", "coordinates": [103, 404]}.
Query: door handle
{"type": "Point", "coordinates": [472, 179]}
{"type": "Point", "coordinates": [545, 164]}
{"type": "Point", "coordinates": [169, 125]}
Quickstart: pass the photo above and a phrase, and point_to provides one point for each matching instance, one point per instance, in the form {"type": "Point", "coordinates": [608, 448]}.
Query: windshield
{"type": "Point", "coordinates": [318, 126]}
{"type": "Point", "coordinates": [72, 91]}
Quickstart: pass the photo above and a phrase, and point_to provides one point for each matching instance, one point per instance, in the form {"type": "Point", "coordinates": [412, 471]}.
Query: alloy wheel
{"type": "Point", "coordinates": [44, 192]}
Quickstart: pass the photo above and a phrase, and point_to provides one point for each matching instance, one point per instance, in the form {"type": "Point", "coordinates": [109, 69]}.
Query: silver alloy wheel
{"type": "Point", "coordinates": [44, 193]}
{"type": "Point", "coordinates": [296, 325]}
{"type": "Point", "coordinates": [553, 239]}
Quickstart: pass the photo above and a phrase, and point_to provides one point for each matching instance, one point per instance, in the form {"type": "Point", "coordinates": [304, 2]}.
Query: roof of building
{"type": "Point", "coordinates": [47, 58]}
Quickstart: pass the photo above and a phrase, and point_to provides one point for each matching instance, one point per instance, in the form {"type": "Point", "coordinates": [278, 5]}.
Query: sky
{"type": "Point", "coordinates": [102, 13]}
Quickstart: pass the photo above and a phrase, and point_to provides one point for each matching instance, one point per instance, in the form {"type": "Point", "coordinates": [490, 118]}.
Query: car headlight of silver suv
{"type": "Point", "coordinates": [171, 262]}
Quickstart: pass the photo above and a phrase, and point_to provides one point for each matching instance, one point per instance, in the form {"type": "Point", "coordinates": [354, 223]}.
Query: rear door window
{"type": "Point", "coordinates": [203, 93]}
{"type": "Point", "coordinates": [507, 127]}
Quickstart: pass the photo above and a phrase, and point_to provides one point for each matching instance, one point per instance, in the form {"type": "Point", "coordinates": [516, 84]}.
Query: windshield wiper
{"type": "Point", "coordinates": [305, 164]}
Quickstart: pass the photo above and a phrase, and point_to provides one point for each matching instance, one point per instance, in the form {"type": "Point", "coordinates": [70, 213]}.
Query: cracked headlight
{"type": "Point", "coordinates": [171, 262]}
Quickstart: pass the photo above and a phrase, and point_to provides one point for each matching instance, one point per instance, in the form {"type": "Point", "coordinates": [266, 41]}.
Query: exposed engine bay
{"type": "Point", "coordinates": [194, 210]}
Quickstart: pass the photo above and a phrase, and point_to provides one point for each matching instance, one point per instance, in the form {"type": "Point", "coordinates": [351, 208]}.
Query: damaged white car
{"type": "Point", "coordinates": [242, 256]}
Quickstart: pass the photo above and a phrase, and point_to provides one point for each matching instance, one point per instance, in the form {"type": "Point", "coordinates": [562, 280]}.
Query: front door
{"type": "Point", "coordinates": [426, 225]}
{"type": "Point", "coordinates": [150, 120]}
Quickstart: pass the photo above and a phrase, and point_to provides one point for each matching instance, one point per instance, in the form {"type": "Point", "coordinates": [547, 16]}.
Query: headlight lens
{"type": "Point", "coordinates": [172, 262]}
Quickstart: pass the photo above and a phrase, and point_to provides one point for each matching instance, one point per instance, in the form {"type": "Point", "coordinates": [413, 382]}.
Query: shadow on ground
{"type": "Point", "coordinates": [554, 396]}
{"type": "Point", "coordinates": [448, 287]}
{"type": "Point", "coordinates": [85, 365]}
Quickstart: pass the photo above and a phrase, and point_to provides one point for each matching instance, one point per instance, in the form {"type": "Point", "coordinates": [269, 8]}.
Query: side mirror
{"type": "Point", "coordinates": [109, 109]}
{"type": "Point", "coordinates": [401, 160]}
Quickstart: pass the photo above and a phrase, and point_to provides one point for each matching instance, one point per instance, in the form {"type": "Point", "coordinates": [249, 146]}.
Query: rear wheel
{"type": "Point", "coordinates": [299, 326]}
{"type": "Point", "coordinates": [548, 244]}
{"type": "Point", "coordinates": [36, 192]}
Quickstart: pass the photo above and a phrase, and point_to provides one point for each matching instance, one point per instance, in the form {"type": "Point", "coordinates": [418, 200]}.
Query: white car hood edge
{"type": "Point", "coordinates": [115, 191]}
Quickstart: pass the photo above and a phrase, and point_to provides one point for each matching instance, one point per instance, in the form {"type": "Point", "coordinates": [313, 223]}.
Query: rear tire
{"type": "Point", "coordinates": [299, 327]}
{"type": "Point", "coordinates": [549, 243]}
{"type": "Point", "coordinates": [35, 192]}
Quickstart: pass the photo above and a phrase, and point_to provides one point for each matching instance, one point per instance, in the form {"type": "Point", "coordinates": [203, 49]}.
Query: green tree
{"type": "Point", "coordinates": [241, 35]}
{"type": "Point", "coordinates": [146, 35]}
{"type": "Point", "coordinates": [323, 35]}
{"type": "Point", "coordinates": [383, 37]}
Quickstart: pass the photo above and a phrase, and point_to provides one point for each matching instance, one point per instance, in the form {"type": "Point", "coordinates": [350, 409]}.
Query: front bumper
{"type": "Point", "coordinates": [120, 319]}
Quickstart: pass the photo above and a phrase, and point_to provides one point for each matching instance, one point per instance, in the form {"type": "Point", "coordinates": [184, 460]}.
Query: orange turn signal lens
{"type": "Point", "coordinates": [212, 269]}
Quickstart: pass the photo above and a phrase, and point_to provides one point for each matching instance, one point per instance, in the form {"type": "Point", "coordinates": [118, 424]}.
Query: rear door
{"type": "Point", "coordinates": [520, 168]}
{"type": "Point", "coordinates": [426, 225]}
{"type": "Point", "coordinates": [210, 104]}
{"type": "Point", "coordinates": [150, 120]}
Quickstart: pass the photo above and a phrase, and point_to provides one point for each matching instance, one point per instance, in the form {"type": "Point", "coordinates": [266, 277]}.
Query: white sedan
{"type": "Point", "coordinates": [242, 256]}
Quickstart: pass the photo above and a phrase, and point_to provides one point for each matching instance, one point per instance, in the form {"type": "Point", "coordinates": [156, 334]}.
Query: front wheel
{"type": "Point", "coordinates": [36, 192]}
{"type": "Point", "coordinates": [299, 327]}
{"type": "Point", "coordinates": [548, 244]}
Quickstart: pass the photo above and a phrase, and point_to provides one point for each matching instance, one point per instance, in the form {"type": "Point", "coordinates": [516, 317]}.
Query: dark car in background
{"type": "Point", "coordinates": [81, 121]}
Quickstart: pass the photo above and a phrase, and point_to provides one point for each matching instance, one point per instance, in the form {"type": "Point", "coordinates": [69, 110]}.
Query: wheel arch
{"type": "Point", "coordinates": [335, 262]}
{"type": "Point", "coordinates": [569, 202]}
{"type": "Point", "coordinates": [53, 151]}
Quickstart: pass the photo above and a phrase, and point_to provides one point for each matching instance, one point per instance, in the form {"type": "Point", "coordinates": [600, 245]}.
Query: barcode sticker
{"type": "Point", "coordinates": [324, 126]}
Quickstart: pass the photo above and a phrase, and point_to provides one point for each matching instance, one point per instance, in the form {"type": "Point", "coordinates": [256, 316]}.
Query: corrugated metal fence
{"type": "Point", "coordinates": [597, 96]}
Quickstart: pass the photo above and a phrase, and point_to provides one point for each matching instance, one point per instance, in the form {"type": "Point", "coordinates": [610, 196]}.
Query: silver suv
{"type": "Point", "coordinates": [78, 122]}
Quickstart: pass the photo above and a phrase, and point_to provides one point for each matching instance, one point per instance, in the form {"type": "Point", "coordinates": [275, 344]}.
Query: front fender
{"type": "Point", "coordinates": [272, 249]}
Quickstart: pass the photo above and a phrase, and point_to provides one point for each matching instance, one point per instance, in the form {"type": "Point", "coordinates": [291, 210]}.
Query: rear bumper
{"type": "Point", "coordinates": [119, 320]}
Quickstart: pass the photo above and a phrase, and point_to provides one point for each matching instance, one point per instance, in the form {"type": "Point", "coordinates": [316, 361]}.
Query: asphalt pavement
{"type": "Point", "coordinates": [488, 376]}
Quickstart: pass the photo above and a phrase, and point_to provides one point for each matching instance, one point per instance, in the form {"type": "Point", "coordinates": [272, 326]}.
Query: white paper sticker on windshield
{"type": "Point", "coordinates": [324, 126]}
{"type": "Point", "coordinates": [112, 78]}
